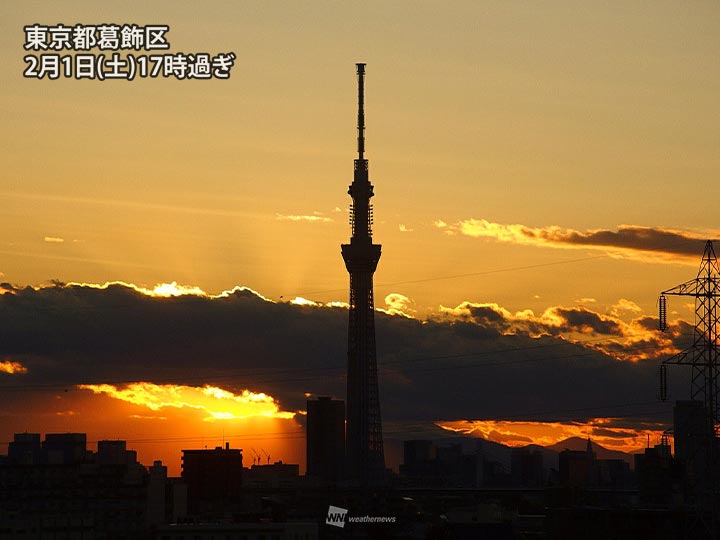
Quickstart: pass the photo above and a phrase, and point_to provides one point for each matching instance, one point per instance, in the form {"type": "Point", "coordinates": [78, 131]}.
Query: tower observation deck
{"type": "Point", "coordinates": [365, 455]}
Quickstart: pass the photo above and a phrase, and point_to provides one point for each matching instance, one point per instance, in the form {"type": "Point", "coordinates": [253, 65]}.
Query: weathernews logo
{"type": "Point", "coordinates": [336, 516]}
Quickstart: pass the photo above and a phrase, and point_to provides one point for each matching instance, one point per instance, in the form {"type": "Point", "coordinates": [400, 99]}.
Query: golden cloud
{"type": "Point", "coordinates": [608, 333]}
{"type": "Point", "coordinates": [628, 241]}
{"type": "Point", "coordinates": [300, 301]}
{"type": "Point", "coordinates": [8, 366]}
{"type": "Point", "coordinates": [219, 404]}
{"type": "Point", "coordinates": [167, 290]}
{"type": "Point", "coordinates": [310, 219]}
{"type": "Point", "coordinates": [398, 304]}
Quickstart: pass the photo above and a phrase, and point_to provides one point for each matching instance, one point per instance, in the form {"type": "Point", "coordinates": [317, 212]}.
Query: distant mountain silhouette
{"type": "Point", "coordinates": [491, 450]}
{"type": "Point", "coordinates": [578, 443]}
{"type": "Point", "coordinates": [499, 452]}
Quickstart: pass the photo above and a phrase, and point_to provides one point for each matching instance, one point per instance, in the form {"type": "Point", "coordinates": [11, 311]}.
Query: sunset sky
{"type": "Point", "coordinates": [542, 171]}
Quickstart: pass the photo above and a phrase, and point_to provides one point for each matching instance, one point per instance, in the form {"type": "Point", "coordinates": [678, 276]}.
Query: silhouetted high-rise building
{"type": "Point", "coordinates": [692, 431]}
{"type": "Point", "coordinates": [418, 451]}
{"type": "Point", "coordinates": [273, 475]}
{"type": "Point", "coordinates": [67, 493]}
{"type": "Point", "coordinates": [420, 465]}
{"type": "Point", "coordinates": [213, 477]}
{"type": "Point", "coordinates": [526, 467]}
{"type": "Point", "coordinates": [64, 448]}
{"type": "Point", "coordinates": [326, 438]}
{"type": "Point", "coordinates": [365, 456]}
{"type": "Point", "coordinates": [577, 467]}
{"type": "Point", "coordinates": [659, 475]}
{"type": "Point", "coordinates": [25, 449]}
{"type": "Point", "coordinates": [112, 453]}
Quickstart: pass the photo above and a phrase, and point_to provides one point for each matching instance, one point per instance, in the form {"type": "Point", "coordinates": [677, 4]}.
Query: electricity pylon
{"type": "Point", "coordinates": [702, 357]}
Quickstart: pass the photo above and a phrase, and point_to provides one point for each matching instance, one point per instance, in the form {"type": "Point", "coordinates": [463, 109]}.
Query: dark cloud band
{"type": "Point", "coordinates": [480, 366]}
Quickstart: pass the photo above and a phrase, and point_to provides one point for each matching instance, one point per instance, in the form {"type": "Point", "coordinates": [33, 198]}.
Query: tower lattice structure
{"type": "Point", "coordinates": [703, 357]}
{"type": "Point", "coordinates": [704, 352]}
{"type": "Point", "coordinates": [365, 455]}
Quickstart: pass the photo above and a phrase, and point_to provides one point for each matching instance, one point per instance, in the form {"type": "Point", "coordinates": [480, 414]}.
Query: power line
{"type": "Point", "coordinates": [508, 269]}
{"type": "Point", "coordinates": [195, 298]}
{"type": "Point", "coordinates": [299, 434]}
{"type": "Point", "coordinates": [455, 276]}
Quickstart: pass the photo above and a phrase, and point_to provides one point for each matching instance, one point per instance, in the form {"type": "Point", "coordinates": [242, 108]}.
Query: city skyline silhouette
{"type": "Point", "coordinates": [169, 270]}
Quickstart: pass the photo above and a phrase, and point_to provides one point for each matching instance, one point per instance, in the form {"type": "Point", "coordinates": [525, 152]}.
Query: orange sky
{"type": "Point", "coordinates": [578, 117]}
{"type": "Point", "coordinates": [161, 421]}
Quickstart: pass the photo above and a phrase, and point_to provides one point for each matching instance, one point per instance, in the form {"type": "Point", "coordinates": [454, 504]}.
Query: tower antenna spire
{"type": "Point", "coordinates": [361, 109]}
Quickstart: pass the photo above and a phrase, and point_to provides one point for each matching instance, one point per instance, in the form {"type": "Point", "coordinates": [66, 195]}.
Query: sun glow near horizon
{"type": "Point", "coordinates": [607, 432]}
{"type": "Point", "coordinates": [217, 403]}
